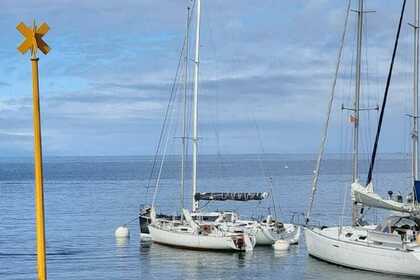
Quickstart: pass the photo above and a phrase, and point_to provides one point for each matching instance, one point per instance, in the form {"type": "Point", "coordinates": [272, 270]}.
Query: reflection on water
{"type": "Point", "coordinates": [314, 269]}
{"type": "Point", "coordinates": [263, 263]}
{"type": "Point", "coordinates": [121, 242]}
{"type": "Point", "coordinates": [280, 253]}
{"type": "Point", "coordinates": [160, 262]}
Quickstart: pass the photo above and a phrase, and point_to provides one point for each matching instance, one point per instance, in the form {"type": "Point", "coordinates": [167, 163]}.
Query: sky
{"type": "Point", "coordinates": [266, 73]}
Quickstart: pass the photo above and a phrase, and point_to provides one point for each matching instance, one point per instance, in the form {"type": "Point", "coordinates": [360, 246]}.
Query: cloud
{"type": "Point", "coordinates": [106, 83]}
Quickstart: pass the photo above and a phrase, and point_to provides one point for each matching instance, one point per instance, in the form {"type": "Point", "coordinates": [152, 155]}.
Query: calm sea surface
{"type": "Point", "coordinates": [87, 198]}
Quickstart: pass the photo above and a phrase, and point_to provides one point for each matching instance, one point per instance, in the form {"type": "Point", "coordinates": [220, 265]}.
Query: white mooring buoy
{"type": "Point", "coordinates": [281, 245]}
{"type": "Point", "coordinates": [122, 232]}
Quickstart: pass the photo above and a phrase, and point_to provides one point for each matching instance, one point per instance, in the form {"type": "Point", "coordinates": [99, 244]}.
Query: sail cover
{"type": "Point", "coordinates": [237, 196]}
{"type": "Point", "coordinates": [369, 198]}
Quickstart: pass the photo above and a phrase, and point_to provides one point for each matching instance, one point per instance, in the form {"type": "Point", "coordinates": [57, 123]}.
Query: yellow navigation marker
{"type": "Point", "coordinates": [33, 38]}
{"type": "Point", "coordinates": [33, 41]}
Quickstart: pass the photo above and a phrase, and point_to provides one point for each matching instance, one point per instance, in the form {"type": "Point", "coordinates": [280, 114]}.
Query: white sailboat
{"type": "Point", "coordinates": [264, 232]}
{"type": "Point", "coordinates": [184, 231]}
{"type": "Point", "coordinates": [189, 234]}
{"type": "Point", "coordinates": [267, 231]}
{"type": "Point", "coordinates": [394, 246]}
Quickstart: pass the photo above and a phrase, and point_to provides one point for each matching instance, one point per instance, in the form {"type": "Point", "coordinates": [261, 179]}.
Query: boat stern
{"type": "Point", "coordinates": [243, 242]}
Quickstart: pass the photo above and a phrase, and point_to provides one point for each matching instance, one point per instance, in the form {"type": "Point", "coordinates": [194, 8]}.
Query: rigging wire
{"type": "Point", "coordinates": [216, 120]}
{"type": "Point", "coordinates": [378, 132]}
{"type": "Point", "coordinates": [164, 126]}
{"type": "Point", "coordinates": [390, 72]}
{"type": "Point", "coordinates": [330, 103]}
{"type": "Point", "coordinates": [184, 114]}
{"type": "Point", "coordinates": [366, 141]}
{"type": "Point", "coordinates": [345, 130]}
{"type": "Point", "coordinates": [269, 178]}
{"type": "Point", "coordinates": [164, 154]}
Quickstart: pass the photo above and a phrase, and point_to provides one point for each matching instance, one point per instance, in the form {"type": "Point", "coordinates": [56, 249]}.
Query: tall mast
{"type": "Point", "coordinates": [356, 107]}
{"type": "Point", "coordinates": [195, 108]}
{"type": "Point", "coordinates": [184, 119]}
{"type": "Point", "coordinates": [414, 135]}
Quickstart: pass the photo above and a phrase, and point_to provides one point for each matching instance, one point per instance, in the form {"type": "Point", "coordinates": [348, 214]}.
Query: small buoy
{"type": "Point", "coordinates": [286, 166]}
{"type": "Point", "coordinates": [122, 232]}
{"type": "Point", "coordinates": [281, 245]}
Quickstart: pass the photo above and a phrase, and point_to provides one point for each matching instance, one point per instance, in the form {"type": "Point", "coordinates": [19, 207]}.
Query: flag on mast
{"type": "Point", "coordinates": [353, 119]}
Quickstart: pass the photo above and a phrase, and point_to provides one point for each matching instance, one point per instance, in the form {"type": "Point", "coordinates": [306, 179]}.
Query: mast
{"type": "Point", "coordinates": [414, 133]}
{"type": "Point", "coordinates": [184, 119]}
{"type": "Point", "coordinates": [195, 108]}
{"type": "Point", "coordinates": [356, 108]}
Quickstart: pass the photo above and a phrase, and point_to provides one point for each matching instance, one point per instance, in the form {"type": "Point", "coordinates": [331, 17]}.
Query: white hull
{"type": "Point", "coordinates": [268, 236]}
{"type": "Point", "coordinates": [265, 233]}
{"type": "Point", "coordinates": [325, 245]}
{"type": "Point", "coordinates": [192, 240]}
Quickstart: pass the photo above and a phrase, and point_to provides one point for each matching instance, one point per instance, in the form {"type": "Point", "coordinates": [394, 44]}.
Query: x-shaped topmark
{"type": "Point", "coordinates": [33, 38]}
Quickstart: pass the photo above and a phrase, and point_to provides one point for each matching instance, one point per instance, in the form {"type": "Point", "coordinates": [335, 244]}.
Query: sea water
{"type": "Point", "coordinates": [87, 198]}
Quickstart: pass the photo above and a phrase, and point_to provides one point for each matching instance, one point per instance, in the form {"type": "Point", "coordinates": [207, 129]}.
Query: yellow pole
{"type": "Point", "coordinates": [33, 41]}
{"type": "Point", "coordinates": [39, 191]}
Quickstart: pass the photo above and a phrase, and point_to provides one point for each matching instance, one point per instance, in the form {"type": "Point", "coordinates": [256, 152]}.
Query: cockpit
{"type": "Point", "coordinates": [406, 226]}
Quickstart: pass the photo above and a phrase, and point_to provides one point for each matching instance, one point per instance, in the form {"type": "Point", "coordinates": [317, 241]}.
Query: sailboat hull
{"type": "Point", "coordinates": [268, 236]}
{"type": "Point", "coordinates": [200, 242]}
{"type": "Point", "coordinates": [325, 245]}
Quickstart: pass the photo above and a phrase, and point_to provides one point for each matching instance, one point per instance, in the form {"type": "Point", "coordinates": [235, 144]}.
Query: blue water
{"type": "Point", "coordinates": [87, 198]}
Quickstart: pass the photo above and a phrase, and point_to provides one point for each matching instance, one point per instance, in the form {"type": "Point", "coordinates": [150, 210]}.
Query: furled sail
{"type": "Point", "coordinates": [369, 198]}
{"type": "Point", "coordinates": [236, 196]}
